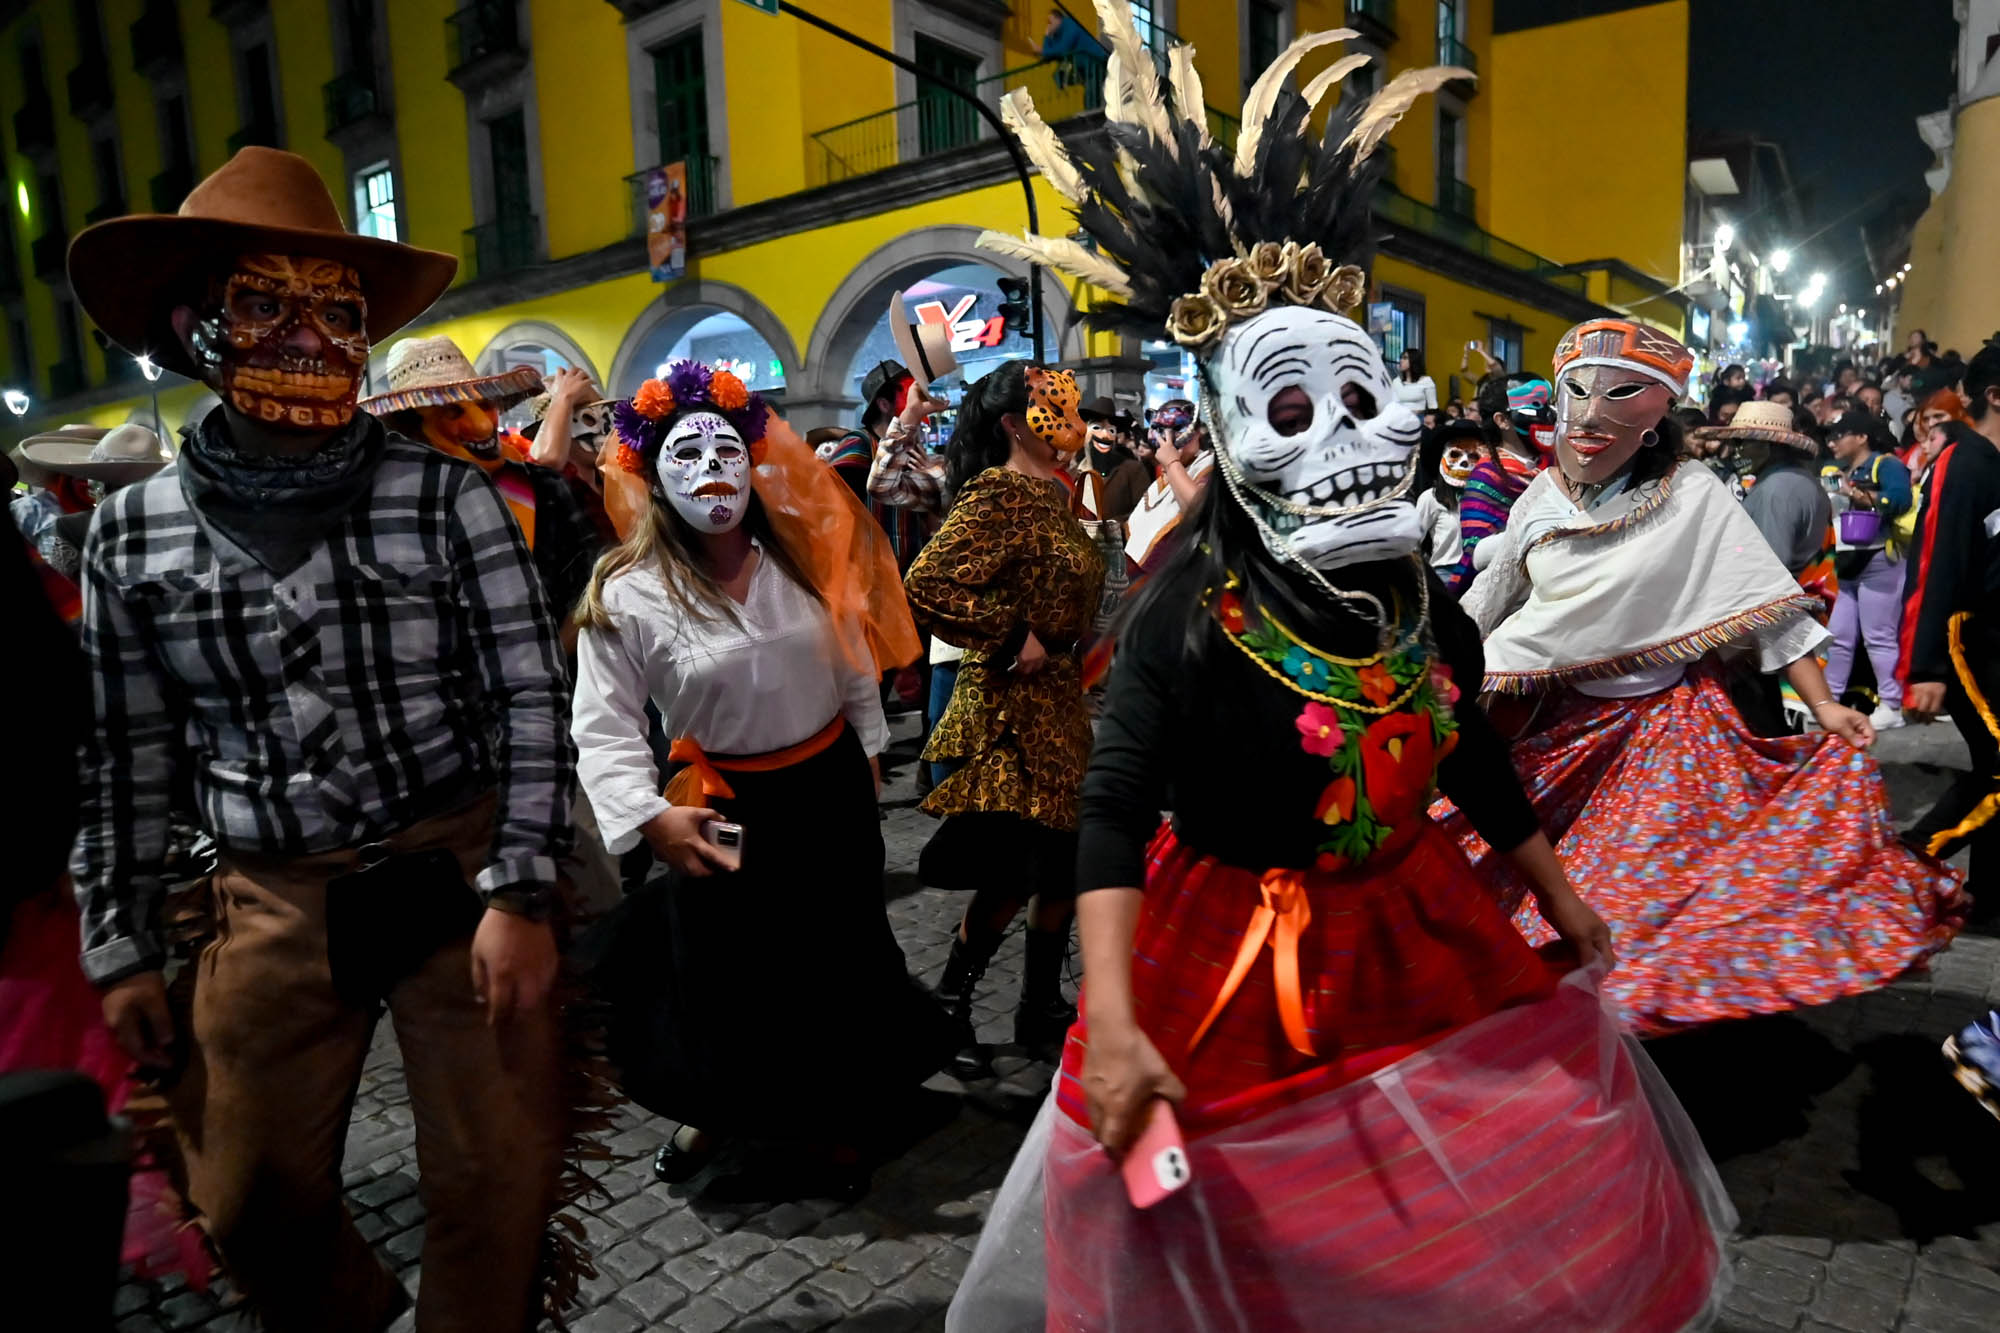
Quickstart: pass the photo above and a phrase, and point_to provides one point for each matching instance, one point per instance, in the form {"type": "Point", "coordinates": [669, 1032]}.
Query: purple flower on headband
{"type": "Point", "coordinates": [642, 432]}
{"type": "Point", "coordinates": [689, 381]}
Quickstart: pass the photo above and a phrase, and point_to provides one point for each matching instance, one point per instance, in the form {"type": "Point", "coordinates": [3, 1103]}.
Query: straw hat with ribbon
{"type": "Point", "coordinates": [129, 273]}
{"type": "Point", "coordinates": [117, 457]}
{"type": "Point", "coordinates": [1771, 422]}
{"type": "Point", "coordinates": [431, 372]}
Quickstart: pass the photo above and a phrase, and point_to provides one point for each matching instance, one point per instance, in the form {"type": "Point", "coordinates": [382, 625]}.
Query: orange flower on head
{"type": "Point", "coordinates": [654, 399]}
{"type": "Point", "coordinates": [1377, 685]}
{"type": "Point", "coordinates": [629, 460]}
{"type": "Point", "coordinates": [728, 392]}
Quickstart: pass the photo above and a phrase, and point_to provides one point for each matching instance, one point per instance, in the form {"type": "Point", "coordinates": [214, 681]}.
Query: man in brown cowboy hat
{"type": "Point", "coordinates": [329, 636]}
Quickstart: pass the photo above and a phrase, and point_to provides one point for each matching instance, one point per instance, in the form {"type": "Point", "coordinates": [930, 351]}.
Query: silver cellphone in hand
{"type": "Point", "coordinates": [727, 839]}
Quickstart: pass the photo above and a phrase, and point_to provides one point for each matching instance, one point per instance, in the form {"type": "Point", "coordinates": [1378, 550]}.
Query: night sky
{"type": "Point", "coordinates": [1839, 84]}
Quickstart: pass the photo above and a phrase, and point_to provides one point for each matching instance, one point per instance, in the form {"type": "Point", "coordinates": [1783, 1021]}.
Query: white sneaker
{"type": "Point", "coordinates": [1885, 717]}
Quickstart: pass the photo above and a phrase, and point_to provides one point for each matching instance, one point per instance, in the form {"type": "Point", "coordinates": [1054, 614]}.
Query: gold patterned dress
{"type": "Point", "coordinates": [1010, 558]}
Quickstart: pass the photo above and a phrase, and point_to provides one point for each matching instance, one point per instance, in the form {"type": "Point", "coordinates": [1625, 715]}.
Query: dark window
{"type": "Point", "coordinates": [1406, 326]}
{"type": "Point", "coordinates": [1264, 27]}
{"type": "Point", "coordinates": [48, 197]}
{"type": "Point", "coordinates": [680, 84]}
{"type": "Point", "coordinates": [89, 30]}
{"type": "Point", "coordinates": [110, 181]}
{"type": "Point", "coordinates": [33, 80]}
{"type": "Point", "coordinates": [357, 23]}
{"type": "Point", "coordinates": [174, 131]}
{"type": "Point", "coordinates": [1451, 132]}
{"type": "Point", "coordinates": [22, 362]}
{"type": "Point", "coordinates": [69, 333]}
{"type": "Point", "coordinates": [507, 137]}
{"type": "Point", "coordinates": [1503, 339]}
{"type": "Point", "coordinates": [260, 98]}
{"type": "Point", "coordinates": [943, 121]}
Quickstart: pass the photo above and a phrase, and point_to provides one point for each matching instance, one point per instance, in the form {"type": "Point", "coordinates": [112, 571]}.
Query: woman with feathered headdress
{"type": "Point", "coordinates": [1391, 1112]}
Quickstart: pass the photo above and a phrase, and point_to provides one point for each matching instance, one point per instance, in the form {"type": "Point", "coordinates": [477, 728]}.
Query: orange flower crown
{"type": "Point", "coordinates": [642, 421]}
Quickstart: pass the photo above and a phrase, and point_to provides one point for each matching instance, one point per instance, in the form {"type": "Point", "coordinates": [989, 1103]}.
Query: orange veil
{"type": "Point", "coordinates": [838, 543]}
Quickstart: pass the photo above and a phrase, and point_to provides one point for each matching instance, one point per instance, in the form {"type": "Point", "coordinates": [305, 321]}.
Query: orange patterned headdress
{"type": "Point", "coordinates": [1629, 344]}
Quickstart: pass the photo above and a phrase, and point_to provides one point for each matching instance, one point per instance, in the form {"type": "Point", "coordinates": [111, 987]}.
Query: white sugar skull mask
{"type": "Point", "coordinates": [1308, 415]}
{"type": "Point", "coordinates": [704, 470]}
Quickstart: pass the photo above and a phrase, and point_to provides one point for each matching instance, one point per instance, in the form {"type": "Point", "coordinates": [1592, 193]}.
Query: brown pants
{"type": "Point", "coordinates": [262, 1110]}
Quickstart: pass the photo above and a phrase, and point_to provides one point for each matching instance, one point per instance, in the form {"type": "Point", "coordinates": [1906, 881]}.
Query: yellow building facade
{"type": "Point", "coordinates": [516, 134]}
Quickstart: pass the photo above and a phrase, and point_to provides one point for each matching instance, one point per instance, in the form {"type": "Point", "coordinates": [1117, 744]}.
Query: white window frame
{"type": "Point", "coordinates": [365, 208]}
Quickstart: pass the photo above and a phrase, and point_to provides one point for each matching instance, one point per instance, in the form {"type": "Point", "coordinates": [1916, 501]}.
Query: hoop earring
{"type": "Point", "coordinates": [1650, 439]}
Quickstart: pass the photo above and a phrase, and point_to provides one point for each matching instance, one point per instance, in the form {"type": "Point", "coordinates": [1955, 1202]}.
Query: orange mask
{"type": "Point", "coordinates": [1052, 404]}
{"type": "Point", "coordinates": [469, 428]}
{"type": "Point", "coordinates": [285, 340]}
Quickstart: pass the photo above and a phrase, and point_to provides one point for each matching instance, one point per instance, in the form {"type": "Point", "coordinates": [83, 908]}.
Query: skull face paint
{"type": "Point", "coordinates": [1456, 465]}
{"type": "Point", "coordinates": [1307, 412]}
{"type": "Point", "coordinates": [1604, 415]}
{"type": "Point", "coordinates": [704, 469]}
{"type": "Point", "coordinates": [473, 427]}
{"type": "Point", "coordinates": [285, 339]}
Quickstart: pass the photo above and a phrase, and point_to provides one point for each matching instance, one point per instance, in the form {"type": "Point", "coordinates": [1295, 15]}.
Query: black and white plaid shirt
{"type": "Point", "coordinates": [409, 664]}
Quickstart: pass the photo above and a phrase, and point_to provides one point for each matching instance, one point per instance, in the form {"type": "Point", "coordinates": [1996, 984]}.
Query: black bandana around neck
{"type": "Point", "coordinates": [278, 509]}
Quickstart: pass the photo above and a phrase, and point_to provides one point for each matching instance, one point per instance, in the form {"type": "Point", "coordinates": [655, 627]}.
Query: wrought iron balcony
{"type": "Point", "coordinates": [1456, 198]}
{"type": "Point", "coordinates": [350, 100]}
{"type": "Point", "coordinates": [702, 175]}
{"type": "Point", "coordinates": [1373, 18]}
{"type": "Point", "coordinates": [503, 245]}
{"type": "Point", "coordinates": [1404, 213]}
{"type": "Point", "coordinates": [35, 126]}
{"type": "Point", "coordinates": [485, 41]}
{"type": "Point", "coordinates": [1451, 51]}
{"type": "Point", "coordinates": [66, 379]}
{"type": "Point", "coordinates": [90, 88]}
{"type": "Point", "coordinates": [264, 136]}
{"type": "Point", "coordinates": [48, 252]}
{"type": "Point", "coordinates": [156, 39]}
{"type": "Point", "coordinates": [170, 187]}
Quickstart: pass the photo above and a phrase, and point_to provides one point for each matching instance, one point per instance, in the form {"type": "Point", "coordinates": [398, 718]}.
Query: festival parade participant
{"type": "Point", "coordinates": [1622, 569]}
{"type": "Point", "coordinates": [435, 395]}
{"type": "Point", "coordinates": [755, 604]}
{"type": "Point", "coordinates": [1458, 445]}
{"type": "Point", "coordinates": [1395, 1114]}
{"type": "Point", "coordinates": [331, 637]}
{"type": "Point", "coordinates": [1013, 579]}
{"type": "Point", "coordinates": [1521, 431]}
{"type": "Point", "coordinates": [1116, 479]}
{"type": "Point", "coordinates": [1179, 447]}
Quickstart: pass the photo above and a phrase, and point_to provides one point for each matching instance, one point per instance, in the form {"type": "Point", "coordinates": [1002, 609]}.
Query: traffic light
{"type": "Point", "coordinates": [1014, 308]}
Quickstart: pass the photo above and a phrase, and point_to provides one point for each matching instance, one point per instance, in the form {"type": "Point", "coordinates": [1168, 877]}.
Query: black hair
{"type": "Point", "coordinates": [1416, 371]}
{"type": "Point", "coordinates": [1729, 370]}
{"type": "Point", "coordinates": [1691, 418]}
{"type": "Point", "coordinates": [978, 440]}
{"type": "Point", "coordinates": [1721, 396]}
{"type": "Point", "coordinates": [1781, 385]}
{"type": "Point", "coordinates": [1983, 373]}
{"type": "Point", "coordinates": [1657, 460]}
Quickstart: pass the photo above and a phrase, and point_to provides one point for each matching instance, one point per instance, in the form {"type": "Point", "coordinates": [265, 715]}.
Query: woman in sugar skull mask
{"type": "Point", "coordinates": [755, 604]}
{"type": "Point", "coordinates": [1621, 571]}
{"type": "Point", "coordinates": [1449, 457]}
{"type": "Point", "coordinates": [1012, 578]}
{"type": "Point", "coordinates": [1299, 960]}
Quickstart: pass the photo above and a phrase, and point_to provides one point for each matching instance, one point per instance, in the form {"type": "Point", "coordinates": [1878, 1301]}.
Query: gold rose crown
{"type": "Point", "coordinates": [1187, 235]}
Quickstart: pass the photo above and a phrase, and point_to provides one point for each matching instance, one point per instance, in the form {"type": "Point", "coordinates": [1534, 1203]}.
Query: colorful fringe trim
{"type": "Point", "coordinates": [1687, 648]}
{"type": "Point", "coordinates": [1624, 520]}
{"type": "Point", "coordinates": [502, 390]}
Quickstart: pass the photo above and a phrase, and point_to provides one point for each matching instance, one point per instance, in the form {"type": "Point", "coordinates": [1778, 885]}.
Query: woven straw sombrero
{"type": "Point", "coordinates": [1760, 421]}
{"type": "Point", "coordinates": [431, 372]}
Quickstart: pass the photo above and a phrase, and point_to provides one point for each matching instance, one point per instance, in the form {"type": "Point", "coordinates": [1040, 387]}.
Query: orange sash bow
{"type": "Point", "coordinates": [702, 781]}
{"type": "Point", "coordinates": [1282, 918]}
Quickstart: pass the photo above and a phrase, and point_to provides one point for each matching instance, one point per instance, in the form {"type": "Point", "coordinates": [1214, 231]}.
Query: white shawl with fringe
{"type": "Point", "coordinates": [1658, 578]}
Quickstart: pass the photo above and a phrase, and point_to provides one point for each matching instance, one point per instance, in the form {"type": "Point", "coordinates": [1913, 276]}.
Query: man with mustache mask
{"type": "Point", "coordinates": [332, 638]}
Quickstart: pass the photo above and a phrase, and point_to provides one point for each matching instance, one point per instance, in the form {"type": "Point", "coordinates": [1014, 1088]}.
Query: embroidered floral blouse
{"type": "Point", "coordinates": [1283, 747]}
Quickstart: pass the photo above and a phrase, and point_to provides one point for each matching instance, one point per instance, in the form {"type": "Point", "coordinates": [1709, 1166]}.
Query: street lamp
{"type": "Point", "coordinates": [152, 374]}
{"type": "Point", "coordinates": [1738, 331]}
{"type": "Point", "coordinates": [17, 402]}
{"type": "Point", "coordinates": [1781, 260]}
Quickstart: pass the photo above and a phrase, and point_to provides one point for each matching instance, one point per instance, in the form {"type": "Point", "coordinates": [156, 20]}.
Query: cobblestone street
{"type": "Point", "coordinates": [1869, 1186]}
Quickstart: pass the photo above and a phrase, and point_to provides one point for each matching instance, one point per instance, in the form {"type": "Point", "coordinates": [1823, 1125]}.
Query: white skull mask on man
{"type": "Point", "coordinates": [704, 469]}
{"type": "Point", "coordinates": [1308, 414]}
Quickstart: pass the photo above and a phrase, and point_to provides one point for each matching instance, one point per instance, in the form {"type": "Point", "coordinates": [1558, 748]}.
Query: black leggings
{"type": "Point", "coordinates": [1001, 857]}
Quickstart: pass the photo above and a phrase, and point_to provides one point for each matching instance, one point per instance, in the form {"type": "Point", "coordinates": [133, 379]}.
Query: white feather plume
{"type": "Point", "coordinates": [1137, 83]}
{"type": "Point", "coordinates": [1262, 98]}
{"type": "Point", "coordinates": [1039, 142]}
{"type": "Point", "coordinates": [1385, 108]}
{"type": "Point", "coordinates": [1330, 78]}
{"type": "Point", "coordinates": [1062, 254]}
{"type": "Point", "coordinates": [1189, 101]}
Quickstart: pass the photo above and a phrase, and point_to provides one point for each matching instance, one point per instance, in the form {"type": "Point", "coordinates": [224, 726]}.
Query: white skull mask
{"type": "Point", "coordinates": [1341, 442]}
{"type": "Point", "coordinates": [589, 427]}
{"type": "Point", "coordinates": [704, 468]}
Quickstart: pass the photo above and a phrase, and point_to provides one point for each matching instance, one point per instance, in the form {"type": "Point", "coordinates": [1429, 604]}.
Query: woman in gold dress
{"type": "Point", "coordinates": [1013, 579]}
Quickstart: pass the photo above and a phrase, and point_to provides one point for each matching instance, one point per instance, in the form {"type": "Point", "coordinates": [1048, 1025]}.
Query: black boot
{"type": "Point", "coordinates": [962, 971]}
{"type": "Point", "coordinates": [1043, 1018]}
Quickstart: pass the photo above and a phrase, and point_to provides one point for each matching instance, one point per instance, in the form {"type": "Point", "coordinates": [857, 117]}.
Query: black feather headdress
{"type": "Point", "coordinates": [1190, 233]}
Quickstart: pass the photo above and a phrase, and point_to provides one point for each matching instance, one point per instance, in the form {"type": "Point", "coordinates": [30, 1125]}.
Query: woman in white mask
{"type": "Point", "coordinates": [756, 605]}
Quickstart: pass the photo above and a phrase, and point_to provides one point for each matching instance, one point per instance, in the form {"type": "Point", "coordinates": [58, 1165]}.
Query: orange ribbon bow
{"type": "Point", "coordinates": [1281, 918]}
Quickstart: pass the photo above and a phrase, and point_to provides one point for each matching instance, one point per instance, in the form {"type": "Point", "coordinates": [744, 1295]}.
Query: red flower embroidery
{"type": "Point", "coordinates": [1330, 862]}
{"type": "Point", "coordinates": [1229, 609]}
{"type": "Point", "coordinates": [1319, 731]}
{"type": "Point", "coordinates": [1336, 803]}
{"type": "Point", "coordinates": [1377, 685]}
{"type": "Point", "coordinates": [1399, 760]}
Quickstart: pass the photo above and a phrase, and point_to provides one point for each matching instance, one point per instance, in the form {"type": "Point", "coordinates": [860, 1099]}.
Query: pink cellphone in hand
{"type": "Point", "coordinates": [1157, 1164]}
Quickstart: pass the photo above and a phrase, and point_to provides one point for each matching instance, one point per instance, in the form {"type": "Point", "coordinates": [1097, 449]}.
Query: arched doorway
{"type": "Point", "coordinates": [716, 323]}
{"type": "Point", "coordinates": [531, 343]}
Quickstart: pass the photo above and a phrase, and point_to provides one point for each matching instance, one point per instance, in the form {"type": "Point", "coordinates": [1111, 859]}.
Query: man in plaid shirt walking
{"type": "Point", "coordinates": [331, 641]}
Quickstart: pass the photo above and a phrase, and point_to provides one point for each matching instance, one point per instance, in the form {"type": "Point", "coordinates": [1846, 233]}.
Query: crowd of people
{"type": "Point", "coordinates": [1357, 738]}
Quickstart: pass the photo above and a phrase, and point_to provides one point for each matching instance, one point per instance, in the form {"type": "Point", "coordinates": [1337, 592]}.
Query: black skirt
{"type": "Point", "coordinates": [771, 1002]}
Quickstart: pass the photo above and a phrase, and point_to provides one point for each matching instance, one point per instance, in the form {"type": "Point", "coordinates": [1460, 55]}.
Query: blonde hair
{"type": "Point", "coordinates": [664, 539]}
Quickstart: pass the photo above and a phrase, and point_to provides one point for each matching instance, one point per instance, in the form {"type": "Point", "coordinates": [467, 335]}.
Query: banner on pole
{"type": "Point", "coordinates": [666, 221]}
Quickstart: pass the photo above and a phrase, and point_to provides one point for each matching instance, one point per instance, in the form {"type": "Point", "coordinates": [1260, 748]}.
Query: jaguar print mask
{"type": "Point", "coordinates": [285, 339]}
{"type": "Point", "coordinates": [1052, 402]}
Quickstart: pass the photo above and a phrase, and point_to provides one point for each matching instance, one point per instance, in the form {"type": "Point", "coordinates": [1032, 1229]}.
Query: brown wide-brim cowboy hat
{"type": "Point", "coordinates": [129, 273]}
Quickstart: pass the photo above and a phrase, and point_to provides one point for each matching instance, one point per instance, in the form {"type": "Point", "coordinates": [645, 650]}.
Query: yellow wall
{"type": "Point", "coordinates": [303, 37]}
{"type": "Point", "coordinates": [1450, 322]}
{"type": "Point", "coordinates": [1953, 287]}
{"type": "Point", "coordinates": [1594, 169]}
{"type": "Point", "coordinates": [431, 132]}
{"type": "Point", "coordinates": [579, 73]}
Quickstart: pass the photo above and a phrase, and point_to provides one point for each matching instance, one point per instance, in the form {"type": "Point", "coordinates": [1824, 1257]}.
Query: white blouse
{"type": "Point", "coordinates": [1419, 393]}
{"type": "Point", "coordinates": [773, 681]}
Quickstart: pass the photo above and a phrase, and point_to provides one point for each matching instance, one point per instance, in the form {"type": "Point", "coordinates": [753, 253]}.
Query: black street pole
{"type": "Point", "coordinates": [986, 112]}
